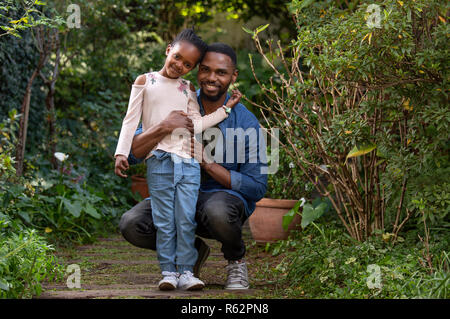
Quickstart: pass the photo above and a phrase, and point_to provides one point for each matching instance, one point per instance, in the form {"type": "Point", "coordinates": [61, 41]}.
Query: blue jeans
{"type": "Point", "coordinates": [173, 184]}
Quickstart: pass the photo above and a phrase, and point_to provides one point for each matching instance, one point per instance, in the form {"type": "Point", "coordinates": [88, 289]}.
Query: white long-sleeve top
{"type": "Point", "coordinates": [152, 102]}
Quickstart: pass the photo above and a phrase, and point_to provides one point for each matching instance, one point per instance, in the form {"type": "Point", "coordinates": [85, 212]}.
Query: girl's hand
{"type": "Point", "coordinates": [121, 164]}
{"type": "Point", "coordinates": [234, 99]}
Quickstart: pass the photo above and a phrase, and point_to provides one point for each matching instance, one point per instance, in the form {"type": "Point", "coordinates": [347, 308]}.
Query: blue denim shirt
{"type": "Point", "coordinates": [248, 182]}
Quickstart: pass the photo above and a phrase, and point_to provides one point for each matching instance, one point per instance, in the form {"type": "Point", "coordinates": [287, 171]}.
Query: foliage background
{"type": "Point", "coordinates": [81, 198]}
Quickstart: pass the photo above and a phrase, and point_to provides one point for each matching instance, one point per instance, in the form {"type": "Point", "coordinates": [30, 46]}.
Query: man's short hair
{"type": "Point", "coordinates": [224, 49]}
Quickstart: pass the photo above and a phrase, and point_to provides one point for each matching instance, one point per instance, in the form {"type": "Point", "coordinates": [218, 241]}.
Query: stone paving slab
{"type": "Point", "coordinates": [149, 292]}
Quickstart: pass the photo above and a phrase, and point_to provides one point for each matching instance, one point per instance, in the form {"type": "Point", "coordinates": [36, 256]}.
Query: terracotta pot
{"type": "Point", "coordinates": [139, 185]}
{"type": "Point", "coordinates": [266, 222]}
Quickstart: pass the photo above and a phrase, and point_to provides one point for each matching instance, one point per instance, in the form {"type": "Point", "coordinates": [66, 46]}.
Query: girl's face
{"type": "Point", "coordinates": [181, 58]}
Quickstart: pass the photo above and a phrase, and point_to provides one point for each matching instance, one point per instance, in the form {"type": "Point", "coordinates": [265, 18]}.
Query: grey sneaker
{"type": "Point", "coordinates": [187, 281]}
{"type": "Point", "coordinates": [237, 275]}
{"type": "Point", "coordinates": [203, 253]}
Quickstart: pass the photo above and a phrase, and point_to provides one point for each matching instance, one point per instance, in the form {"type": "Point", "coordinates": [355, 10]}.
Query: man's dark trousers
{"type": "Point", "coordinates": [219, 216]}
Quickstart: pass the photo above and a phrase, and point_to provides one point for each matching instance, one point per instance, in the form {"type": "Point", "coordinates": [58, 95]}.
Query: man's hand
{"type": "Point", "coordinates": [234, 98]}
{"type": "Point", "coordinates": [178, 119]}
{"type": "Point", "coordinates": [121, 165]}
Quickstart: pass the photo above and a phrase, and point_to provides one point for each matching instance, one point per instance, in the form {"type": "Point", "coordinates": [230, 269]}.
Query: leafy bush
{"type": "Point", "coordinates": [25, 261]}
{"type": "Point", "coordinates": [64, 204]}
{"type": "Point", "coordinates": [288, 182]}
{"type": "Point", "coordinates": [363, 109]}
{"type": "Point", "coordinates": [324, 262]}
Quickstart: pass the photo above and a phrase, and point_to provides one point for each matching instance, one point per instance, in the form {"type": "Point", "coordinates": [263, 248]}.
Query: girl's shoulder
{"type": "Point", "coordinates": [141, 79]}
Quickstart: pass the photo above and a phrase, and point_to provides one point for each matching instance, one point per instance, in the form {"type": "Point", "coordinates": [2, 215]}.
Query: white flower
{"type": "Point", "coordinates": [303, 201]}
{"type": "Point", "coordinates": [291, 165]}
{"type": "Point", "coordinates": [61, 156]}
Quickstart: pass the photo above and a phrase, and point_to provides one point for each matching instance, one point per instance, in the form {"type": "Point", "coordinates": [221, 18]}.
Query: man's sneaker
{"type": "Point", "coordinates": [169, 281]}
{"type": "Point", "coordinates": [237, 275]}
{"type": "Point", "coordinates": [203, 253]}
{"type": "Point", "coordinates": [187, 281]}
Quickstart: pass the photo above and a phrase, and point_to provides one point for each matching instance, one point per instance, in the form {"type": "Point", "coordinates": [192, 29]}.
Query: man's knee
{"type": "Point", "coordinates": [216, 215]}
{"type": "Point", "coordinates": [125, 222]}
{"type": "Point", "coordinates": [136, 226]}
{"type": "Point", "coordinates": [220, 216]}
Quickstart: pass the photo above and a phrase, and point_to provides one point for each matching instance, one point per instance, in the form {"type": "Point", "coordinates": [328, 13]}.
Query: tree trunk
{"type": "Point", "coordinates": [44, 47]}
{"type": "Point", "coordinates": [23, 124]}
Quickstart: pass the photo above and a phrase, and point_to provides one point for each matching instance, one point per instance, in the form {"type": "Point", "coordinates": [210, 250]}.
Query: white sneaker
{"type": "Point", "coordinates": [169, 281]}
{"type": "Point", "coordinates": [237, 275]}
{"type": "Point", "coordinates": [187, 281]}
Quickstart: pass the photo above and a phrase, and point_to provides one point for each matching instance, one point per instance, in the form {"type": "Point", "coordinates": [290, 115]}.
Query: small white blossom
{"type": "Point", "coordinates": [303, 201]}
{"type": "Point", "coordinates": [291, 165]}
{"type": "Point", "coordinates": [61, 156]}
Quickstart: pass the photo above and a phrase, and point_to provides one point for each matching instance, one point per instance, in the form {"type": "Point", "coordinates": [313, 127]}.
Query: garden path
{"type": "Point", "coordinates": [113, 268]}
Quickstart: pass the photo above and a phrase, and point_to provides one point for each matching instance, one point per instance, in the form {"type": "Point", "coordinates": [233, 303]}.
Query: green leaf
{"type": "Point", "coordinates": [4, 285]}
{"type": "Point", "coordinates": [362, 150]}
{"type": "Point", "coordinates": [25, 216]}
{"type": "Point", "coordinates": [91, 211]}
{"type": "Point", "coordinates": [311, 213]}
{"type": "Point", "coordinates": [289, 216]}
{"type": "Point", "coordinates": [261, 28]}
{"type": "Point", "coordinates": [73, 208]}
{"type": "Point", "coordinates": [248, 31]}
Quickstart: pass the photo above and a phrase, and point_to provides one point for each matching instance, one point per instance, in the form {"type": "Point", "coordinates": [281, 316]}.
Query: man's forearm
{"type": "Point", "coordinates": [219, 173]}
{"type": "Point", "coordinates": [145, 142]}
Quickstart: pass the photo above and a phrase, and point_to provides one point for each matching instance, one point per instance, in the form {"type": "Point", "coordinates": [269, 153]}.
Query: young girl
{"type": "Point", "coordinates": [173, 176]}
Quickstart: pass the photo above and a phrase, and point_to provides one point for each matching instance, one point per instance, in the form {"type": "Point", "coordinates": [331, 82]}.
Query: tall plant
{"type": "Point", "coordinates": [361, 103]}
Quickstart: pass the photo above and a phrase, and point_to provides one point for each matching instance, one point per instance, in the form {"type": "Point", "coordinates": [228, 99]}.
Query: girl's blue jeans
{"type": "Point", "coordinates": [173, 184]}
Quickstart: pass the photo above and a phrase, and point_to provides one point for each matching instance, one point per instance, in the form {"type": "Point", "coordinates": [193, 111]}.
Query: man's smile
{"type": "Point", "coordinates": [210, 87]}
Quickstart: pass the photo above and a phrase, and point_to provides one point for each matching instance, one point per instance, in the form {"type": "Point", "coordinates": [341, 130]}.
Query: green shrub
{"type": "Point", "coordinates": [324, 262]}
{"type": "Point", "coordinates": [363, 110]}
{"type": "Point", "coordinates": [289, 181]}
{"type": "Point", "coordinates": [25, 261]}
{"type": "Point", "coordinates": [65, 204]}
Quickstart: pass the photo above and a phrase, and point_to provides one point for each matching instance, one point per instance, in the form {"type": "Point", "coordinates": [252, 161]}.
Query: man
{"type": "Point", "coordinates": [230, 187]}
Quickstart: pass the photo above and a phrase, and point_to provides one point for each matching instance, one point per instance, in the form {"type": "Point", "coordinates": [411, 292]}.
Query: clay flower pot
{"type": "Point", "coordinates": [266, 222]}
{"type": "Point", "coordinates": [139, 185]}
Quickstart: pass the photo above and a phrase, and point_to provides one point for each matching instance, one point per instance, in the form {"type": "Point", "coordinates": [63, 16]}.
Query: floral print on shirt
{"type": "Point", "coordinates": [152, 78]}
{"type": "Point", "coordinates": [183, 87]}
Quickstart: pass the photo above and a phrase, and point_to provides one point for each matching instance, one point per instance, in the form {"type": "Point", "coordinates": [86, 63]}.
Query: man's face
{"type": "Point", "coordinates": [215, 74]}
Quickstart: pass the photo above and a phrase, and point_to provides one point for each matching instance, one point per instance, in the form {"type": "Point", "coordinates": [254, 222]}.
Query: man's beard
{"type": "Point", "coordinates": [216, 97]}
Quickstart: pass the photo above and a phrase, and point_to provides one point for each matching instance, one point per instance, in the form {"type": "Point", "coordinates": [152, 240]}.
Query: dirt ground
{"type": "Point", "coordinates": [113, 268]}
